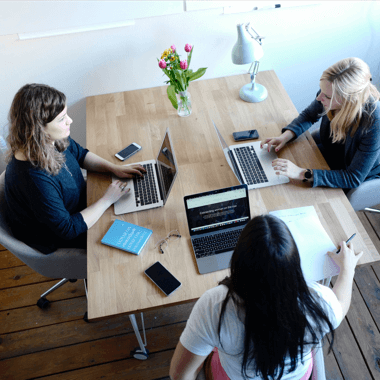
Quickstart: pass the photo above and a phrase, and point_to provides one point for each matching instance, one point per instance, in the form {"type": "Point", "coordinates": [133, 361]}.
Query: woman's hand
{"type": "Point", "coordinates": [128, 171]}
{"type": "Point", "coordinates": [278, 142]}
{"type": "Point", "coordinates": [346, 259]}
{"type": "Point", "coordinates": [287, 168]}
{"type": "Point", "coordinates": [115, 191]}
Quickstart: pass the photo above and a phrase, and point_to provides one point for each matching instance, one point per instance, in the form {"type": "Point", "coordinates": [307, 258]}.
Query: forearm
{"type": "Point", "coordinates": [343, 289]}
{"type": "Point", "coordinates": [93, 213]}
{"type": "Point", "coordinates": [94, 163]}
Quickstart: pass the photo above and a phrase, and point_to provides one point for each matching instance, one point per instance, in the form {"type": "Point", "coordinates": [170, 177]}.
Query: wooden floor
{"type": "Point", "coordinates": [58, 344]}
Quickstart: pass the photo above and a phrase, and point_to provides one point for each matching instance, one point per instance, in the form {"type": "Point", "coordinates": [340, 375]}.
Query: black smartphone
{"type": "Point", "coordinates": [128, 151]}
{"type": "Point", "coordinates": [246, 135]}
{"type": "Point", "coordinates": [162, 278]}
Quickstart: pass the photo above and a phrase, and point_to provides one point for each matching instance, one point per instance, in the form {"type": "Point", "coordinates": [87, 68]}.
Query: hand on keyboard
{"type": "Point", "coordinates": [115, 191]}
{"type": "Point", "coordinates": [132, 171]}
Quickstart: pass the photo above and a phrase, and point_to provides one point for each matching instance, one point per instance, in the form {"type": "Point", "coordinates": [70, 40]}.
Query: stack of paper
{"type": "Point", "coordinates": [312, 242]}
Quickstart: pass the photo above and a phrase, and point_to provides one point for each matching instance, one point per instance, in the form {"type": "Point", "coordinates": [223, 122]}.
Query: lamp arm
{"type": "Point", "coordinates": [257, 38]}
{"type": "Point", "coordinates": [254, 72]}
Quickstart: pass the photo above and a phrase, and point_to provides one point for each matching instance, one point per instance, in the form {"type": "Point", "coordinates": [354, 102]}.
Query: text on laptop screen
{"type": "Point", "coordinates": [217, 210]}
{"type": "Point", "coordinates": [166, 166]}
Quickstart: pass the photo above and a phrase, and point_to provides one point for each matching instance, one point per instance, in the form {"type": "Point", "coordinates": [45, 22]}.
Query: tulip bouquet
{"type": "Point", "coordinates": [179, 75]}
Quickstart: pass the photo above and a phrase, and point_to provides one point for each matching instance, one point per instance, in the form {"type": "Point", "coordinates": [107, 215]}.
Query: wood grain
{"type": "Point", "coordinates": [117, 283]}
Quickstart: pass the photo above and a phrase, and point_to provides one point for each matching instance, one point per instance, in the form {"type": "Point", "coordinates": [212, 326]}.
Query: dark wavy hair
{"type": "Point", "coordinates": [268, 287]}
{"type": "Point", "coordinates": [32, 108]}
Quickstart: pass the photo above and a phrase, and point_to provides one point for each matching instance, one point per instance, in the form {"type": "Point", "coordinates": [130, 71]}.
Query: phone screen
{"type": "Point", "coordinates": [162, 278]}
{"type": "Point", "coordinates": [246, 135]}
{"type": "Point", "coordinates": [130, 149]}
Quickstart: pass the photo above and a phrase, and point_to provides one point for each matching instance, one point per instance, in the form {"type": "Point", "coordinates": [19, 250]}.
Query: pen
{"type": "Point", "coordinates": [347, 241]}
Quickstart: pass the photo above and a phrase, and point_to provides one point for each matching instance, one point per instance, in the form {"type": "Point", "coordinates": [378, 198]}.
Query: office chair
{"type": "Point", "coordinates": [364, 197]}
{"type": "Point", "coordinates": [67, 263]}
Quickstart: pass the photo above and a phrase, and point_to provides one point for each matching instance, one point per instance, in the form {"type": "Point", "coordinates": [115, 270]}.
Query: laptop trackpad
{"type": "Point", "coordinates": [214, 263]}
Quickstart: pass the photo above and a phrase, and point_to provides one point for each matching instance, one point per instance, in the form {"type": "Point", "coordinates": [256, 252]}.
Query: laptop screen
{"type": "Point", "coordinates": [217, 209]}
{"type": "Point", "coordinates": [166, 166]}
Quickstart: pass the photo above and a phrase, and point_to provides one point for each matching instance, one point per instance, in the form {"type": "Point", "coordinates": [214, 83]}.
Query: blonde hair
{"type": "Point", "coordinates": [351, 81]}
{"type": "Point", "coordinates": [32, 108]}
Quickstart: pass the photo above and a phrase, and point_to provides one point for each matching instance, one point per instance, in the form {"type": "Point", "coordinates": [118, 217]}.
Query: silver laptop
{"type": "Point", "coordinates": [251, 164]}
{"type": "Point", "coordinates": [216, 219]}
{"type": "Point", "coordinates": [153, 189]}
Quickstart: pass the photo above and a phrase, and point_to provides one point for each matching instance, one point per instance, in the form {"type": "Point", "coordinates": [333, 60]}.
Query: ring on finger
{"type": "Point", "coordinates": [122, 188]}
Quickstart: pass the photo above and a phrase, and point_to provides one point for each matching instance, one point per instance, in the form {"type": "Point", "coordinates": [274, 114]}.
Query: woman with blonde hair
{"type": "Point", "coordinates": [349, 134]}
{"type": "Point", "coordinates": [45, 190]}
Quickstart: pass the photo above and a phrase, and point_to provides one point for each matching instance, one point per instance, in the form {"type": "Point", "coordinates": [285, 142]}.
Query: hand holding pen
{"type": "Point", "coordinates": [345, 257]}
{"type": "Point", "coordinates": [347, 241]}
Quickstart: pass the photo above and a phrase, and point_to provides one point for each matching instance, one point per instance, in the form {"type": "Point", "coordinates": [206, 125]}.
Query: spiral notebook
{"type": "Point", "coordinates": [127, 236]}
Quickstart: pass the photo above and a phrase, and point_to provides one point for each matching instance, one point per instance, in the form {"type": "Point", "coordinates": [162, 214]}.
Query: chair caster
{"type": "Point", "coordinates": [85, 317]}
{"type": "Point", "coordinates": [73, 280]}
{"type": "Point", "coordinates": [138, 354]}
{"type": "Point", "coordinates": [43, 303]}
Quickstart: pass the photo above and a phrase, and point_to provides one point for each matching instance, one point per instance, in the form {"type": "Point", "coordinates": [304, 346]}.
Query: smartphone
{"type": "Point", "coordinates": [128, 151]}
{"type": "Point", "coordinates": [246, 135]}
{"type": "Point", "coordinates": [163, 278]}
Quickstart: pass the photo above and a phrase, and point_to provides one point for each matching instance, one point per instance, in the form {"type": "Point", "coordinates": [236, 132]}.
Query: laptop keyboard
{"type": "Point", "coordinates": [145, 187]}
{"type": "Point", "coordinates": [214, 244]}
{"type": "Point", "coordinates": [250, 164]}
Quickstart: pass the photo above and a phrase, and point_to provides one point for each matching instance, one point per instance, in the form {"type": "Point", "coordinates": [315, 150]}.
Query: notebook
{"type": "Point", "coordinates": [216, 219]}
{"type": "Point", "coordinates": [127, 236]}
{"type": "Point", "coordinates": [153, 189]}
{"type": "Point", "coordinates": [251, 164]}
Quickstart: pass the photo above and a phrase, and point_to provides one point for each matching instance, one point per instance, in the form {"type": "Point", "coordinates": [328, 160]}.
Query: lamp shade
{"type": "Point", "coordinates": [247, 49]}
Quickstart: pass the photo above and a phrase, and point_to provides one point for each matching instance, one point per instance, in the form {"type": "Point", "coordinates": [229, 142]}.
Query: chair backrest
{"type": "Point", "coordinates": [63, 263]}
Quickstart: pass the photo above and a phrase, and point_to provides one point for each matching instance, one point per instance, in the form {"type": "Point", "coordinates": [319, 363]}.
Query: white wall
{"type": "Point", "coordinates": [300, 43]}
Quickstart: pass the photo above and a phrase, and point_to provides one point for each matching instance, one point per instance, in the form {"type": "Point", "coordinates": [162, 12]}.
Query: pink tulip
{"type": "Point", "coordinates": [183, 65]}
{"type": "Point", "coordinates": [173, 48]}
{"type": "Point", "coordinates": [162, 64]}
{"type": "Point", "coordinates": [188, 48]}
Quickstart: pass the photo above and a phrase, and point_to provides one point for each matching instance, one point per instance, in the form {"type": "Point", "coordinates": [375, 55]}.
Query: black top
{"type": "Point", "coordinates": [44, 210]}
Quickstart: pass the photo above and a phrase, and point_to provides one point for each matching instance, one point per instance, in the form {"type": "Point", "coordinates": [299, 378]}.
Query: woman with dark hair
{"type": "Point", "coordinates": [349, 135]}
{"type": "Point", "coordinates": [45, 190]}
{"type": "Point", "coordinates": [264, 320]}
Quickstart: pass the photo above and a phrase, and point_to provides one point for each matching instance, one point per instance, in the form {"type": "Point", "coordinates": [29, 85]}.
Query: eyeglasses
{"type": "Point", "coordinates": [163, 243]}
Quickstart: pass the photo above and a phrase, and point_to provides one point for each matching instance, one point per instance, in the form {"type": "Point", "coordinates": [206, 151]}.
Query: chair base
{"type": "Point", "coordinates": [372, 209]}
{"type": "Point", "coordinates": [43, 303]}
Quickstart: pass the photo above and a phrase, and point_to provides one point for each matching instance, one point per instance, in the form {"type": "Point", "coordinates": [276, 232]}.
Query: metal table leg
{"type": "Point", "coordinates": [139, 353]}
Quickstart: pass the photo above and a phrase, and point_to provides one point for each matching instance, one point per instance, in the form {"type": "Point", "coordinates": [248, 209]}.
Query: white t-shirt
{"type": "Point", "coordinates": [201, 332]}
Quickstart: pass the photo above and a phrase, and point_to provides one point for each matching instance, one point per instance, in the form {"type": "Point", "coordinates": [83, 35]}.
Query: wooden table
{"type": "Point", "coordinates": [116, 280]}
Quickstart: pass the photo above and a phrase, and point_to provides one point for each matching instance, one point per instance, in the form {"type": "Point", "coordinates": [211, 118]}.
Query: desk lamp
{"type": "Point", "coordinates": [248, 50]}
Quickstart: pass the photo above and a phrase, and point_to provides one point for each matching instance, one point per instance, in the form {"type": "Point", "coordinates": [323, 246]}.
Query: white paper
{"type": "Point", "coordinates": [312, 242]}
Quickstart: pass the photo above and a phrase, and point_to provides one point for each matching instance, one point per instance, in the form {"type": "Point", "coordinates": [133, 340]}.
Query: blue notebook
{"type": "Point", "coordinates": [127, 236]}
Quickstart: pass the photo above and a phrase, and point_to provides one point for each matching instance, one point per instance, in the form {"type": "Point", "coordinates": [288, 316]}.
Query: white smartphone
{"type": "Point", "coordinates": [128, 151]}
{"type": "Point", "coordinates": [162, 278]}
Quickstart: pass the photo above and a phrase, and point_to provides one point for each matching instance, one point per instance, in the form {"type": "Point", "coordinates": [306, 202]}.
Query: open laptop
{"type": "Point", "coordinates": [153, 189]}
{"type": "Point", "coordinates": [216, 219]}
{"type": "Point", "coordinates": [251, 164]}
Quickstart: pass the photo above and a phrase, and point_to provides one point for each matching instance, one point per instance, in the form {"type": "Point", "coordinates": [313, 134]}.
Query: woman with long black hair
{"type": "Point", "coordinates": [263, 321]}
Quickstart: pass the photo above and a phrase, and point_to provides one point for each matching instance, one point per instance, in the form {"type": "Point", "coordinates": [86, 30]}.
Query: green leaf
{"type": "Point", "coordinates": [199, 73]}
{"type": "Point", "coordinates": [171, 95]}
{"type": "Point", "coordinates": [179, 75]}
{"type": "Point", "coordinates": [189, 57]}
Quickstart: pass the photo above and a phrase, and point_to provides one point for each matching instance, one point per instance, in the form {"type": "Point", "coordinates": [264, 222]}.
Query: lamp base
{"type": "Point", "coordinates": [255, 95]}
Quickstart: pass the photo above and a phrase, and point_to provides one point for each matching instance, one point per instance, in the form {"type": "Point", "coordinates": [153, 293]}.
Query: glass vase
{"type": "Point", "coordinates": [184, 103]}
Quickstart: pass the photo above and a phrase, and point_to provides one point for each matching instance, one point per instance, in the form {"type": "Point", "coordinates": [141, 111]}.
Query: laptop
{"type": "Point", "coordinates": [251, 164]}
{"type": "Point", "coordinates": [153, 189]}
{"type": "Point", "coordinates": [216, 219]}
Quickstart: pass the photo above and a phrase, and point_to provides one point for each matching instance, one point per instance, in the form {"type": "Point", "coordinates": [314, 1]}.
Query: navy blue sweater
{"type": "Point", "coordinates": [44, 210]}
{"type": "Point", "coordinates": [361, 152]}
